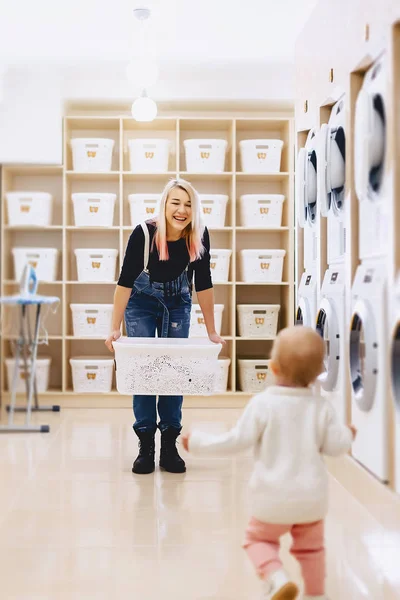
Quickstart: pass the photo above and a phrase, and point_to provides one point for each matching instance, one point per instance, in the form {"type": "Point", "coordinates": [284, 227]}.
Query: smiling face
{"type": "Point", "coordinates": [178, 213]}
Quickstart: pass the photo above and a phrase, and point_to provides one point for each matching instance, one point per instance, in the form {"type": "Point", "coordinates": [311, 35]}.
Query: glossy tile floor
{"type": "Point", "coordinates": [75, 523]}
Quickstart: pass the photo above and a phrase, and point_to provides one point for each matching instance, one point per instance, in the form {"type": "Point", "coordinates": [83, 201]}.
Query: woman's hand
{"type": "Point", "coordinates": [112, 338]}
{"type": "Point", "coordinates": [216, 339]}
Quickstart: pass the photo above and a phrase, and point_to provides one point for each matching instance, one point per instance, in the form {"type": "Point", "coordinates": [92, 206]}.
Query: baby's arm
{"type": "Point", "coordinates": [337, 438]}
{"type": "Point", "coordinates": [244, 435]}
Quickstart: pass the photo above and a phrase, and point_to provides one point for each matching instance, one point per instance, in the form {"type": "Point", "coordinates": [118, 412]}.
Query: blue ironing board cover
{"type": "Point", "coordinates": [27, 293]}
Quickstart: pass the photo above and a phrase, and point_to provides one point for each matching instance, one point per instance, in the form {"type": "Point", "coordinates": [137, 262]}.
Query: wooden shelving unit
{"type": "Point", "coordinates": [63, 181]}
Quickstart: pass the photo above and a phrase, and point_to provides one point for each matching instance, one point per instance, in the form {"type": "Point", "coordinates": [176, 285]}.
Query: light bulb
{"type": "Point", "coordinates": [144, 109]}
{"type": "Point", "coordinates": [142, 72]}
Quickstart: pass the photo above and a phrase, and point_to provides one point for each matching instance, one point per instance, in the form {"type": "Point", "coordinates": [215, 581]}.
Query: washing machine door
{"type": "Point", "coordinates": [369, 144]}
{"type": "Point", "coordinates": [324, 195]}
{"type": "Point", "coordinates": [363, 355]}
{"type": "Point", "coordinates": [301, 204]}
{"type": "Point", "coordinates": [311, 187]}
{"type": "Point", "coordinates": [303, 314]}
{"type": "Point", "coordinates": [395, 360]}
{"type": "Point", "coordinates": [328, 328]}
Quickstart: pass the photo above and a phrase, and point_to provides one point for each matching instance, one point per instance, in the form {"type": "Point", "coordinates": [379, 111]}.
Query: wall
{"type": "Point", "coordinates": [33, 98]}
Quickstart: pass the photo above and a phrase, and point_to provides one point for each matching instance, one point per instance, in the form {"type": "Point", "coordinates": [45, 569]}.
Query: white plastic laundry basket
{"type": "Point", "coordinates": [221, 383]}
{"type": "Point", "coordinates": [197, 322]}
{"type": "Point", "coordinates": [143, 207]}
{"type": "Point", "coordinates": [262, 266]}
{"type": "Point", "coordinates": [219, 264]}
{"type": "Point", "coordinates": [94, 210]}
{"type": "Point", "coordinates": [214, 209]}
{"type": "Point", "coordinates": [258, 320]}
{"type": "Point", "coordinates": [92, 154]}
{"type": "Point", "coordinates": [261, 210]}
{"type": "Point", "coordinates": [96, 264]}
{"type": "Point", "coordinates": [91, 320]}
{"type": "Point", "coordinates": [29, 208]}
{"type": "Point", "coordinates": [166, 366]}
{"type": "Point", "coordinates": [205, 156]}
{"type": "Point", "coordinates": [43, 260]}
{"type": "Point", "coordinates": [261, 156]}
{"type": "Point", "coordinates": [254, 375]}
{"type": "Point", "coordinates": [42, 374]}
{"type": "Point", "coordinates": [91, 375]}
{"type": "Point", "coordinates": [149, 155]}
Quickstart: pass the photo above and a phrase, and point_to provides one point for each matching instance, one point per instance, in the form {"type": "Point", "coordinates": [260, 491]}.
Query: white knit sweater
{"type": "Point", "coordinates": [289, 429]}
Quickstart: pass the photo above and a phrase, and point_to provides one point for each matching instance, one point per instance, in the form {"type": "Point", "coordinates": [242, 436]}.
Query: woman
{"type": "Point", "coordinates": [154, 292]}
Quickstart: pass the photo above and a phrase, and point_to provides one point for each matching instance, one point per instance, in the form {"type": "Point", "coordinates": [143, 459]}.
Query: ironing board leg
{"type": "Point", "coordinates": [36, 407]}
{"type": "Point", "coordinates": [21, 345]}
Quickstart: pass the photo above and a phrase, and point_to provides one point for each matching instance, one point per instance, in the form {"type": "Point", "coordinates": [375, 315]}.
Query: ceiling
{"type": "Point", "coordinates": [207, 32]}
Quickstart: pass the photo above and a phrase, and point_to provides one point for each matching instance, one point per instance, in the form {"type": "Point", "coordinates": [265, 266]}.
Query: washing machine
{"type": "Point", "coordinates": [306, 198]}
{"type": "Point", "coordinates": [330, 324]}
{"type": "Point", "coordinates": [307, 300]}
{"type": "Point", "coordinates": [331, 176]}
{"type": "Point", "coordinates": [370, 151]}
{"type": "Point", "coordinates": [395, 377]}
{"type": "Point", "coordinates": [369, 367]}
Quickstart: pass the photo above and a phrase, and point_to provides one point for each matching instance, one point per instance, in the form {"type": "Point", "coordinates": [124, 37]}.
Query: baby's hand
{"type": "Point", "coordinates": [185, 441]}
{"type": "Point", "coordinates": [353, 431]}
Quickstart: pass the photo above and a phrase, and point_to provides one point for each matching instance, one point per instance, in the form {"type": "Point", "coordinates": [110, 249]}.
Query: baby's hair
{"type": "Point", "coordinates": [298, 352]}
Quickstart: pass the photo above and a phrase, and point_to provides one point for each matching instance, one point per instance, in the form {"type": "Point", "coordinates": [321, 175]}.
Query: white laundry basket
{"type": "Point", "coordinates": [258, 320]}
{"type": "Point", "coordinates": [221, 383]}
{"type": "Point", "coordinates": [29, 208]}
{"type": "Point", "coordinates": [254, 375]}
{"type": "Point", "coordinates": [205, 156]}
{"type": "Point", "coordinates": [143, 207]}
{"type": "Point", "coordinates": [43, 260]}
{"type": "Point", "coordinates": [91, 320]}
{"type": "Point", "coordinates": [262, 266]}
{"type": "Point", "coordinates": [261, 156]}
{"type": "Point", "coordinates": [214, 209]}
{"type": "Point", "coordinates": [261, 210]}
{"type": "Point", "coordinates": [42, 374]}
{"type": "Point", "coordinates": [96, 264]}
{"type": "Point", "coordinates": [91, 375]}
{"type": "Point", "coordinates": [149, 155]}
{"type": "Point", "coordinates": [197, 322]}
{"type": "Point", "coordinates": [93, 210]}
{"type": "Point", "coordinates": [166, 366]}
{"type": "Point", "coordinates": [219, 265]}
{"type": "Point", "coordinates": [92, 155]}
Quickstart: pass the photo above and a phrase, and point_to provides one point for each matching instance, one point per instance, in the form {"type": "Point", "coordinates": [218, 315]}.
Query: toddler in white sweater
{"type": "Point", "coordinates": [289, 427]}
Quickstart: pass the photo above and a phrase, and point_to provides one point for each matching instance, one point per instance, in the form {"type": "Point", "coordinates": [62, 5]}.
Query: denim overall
{"type": "Point", "coordinates": [163, 308]}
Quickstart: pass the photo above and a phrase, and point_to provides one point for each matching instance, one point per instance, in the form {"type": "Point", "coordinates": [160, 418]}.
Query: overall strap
{"type": "Point", "coordinates": [146, 252]}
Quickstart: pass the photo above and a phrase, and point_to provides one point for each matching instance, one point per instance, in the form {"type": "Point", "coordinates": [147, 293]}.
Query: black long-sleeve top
{"type": "Point", "coordinates": [163, 271]}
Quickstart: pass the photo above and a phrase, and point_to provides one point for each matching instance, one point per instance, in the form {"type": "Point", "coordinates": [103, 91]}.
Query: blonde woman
{"type": "Point", "coordinates": [154, 293]}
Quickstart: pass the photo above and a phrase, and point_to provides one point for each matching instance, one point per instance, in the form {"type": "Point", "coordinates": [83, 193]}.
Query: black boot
{"type": "Point", "coordinates": [144, 463]}
{"type": "Point", "coordinates": [169, 458]}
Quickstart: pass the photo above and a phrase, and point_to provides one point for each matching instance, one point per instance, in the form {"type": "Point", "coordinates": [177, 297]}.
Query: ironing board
{"type": "Point", "coordinates": [27, 345]}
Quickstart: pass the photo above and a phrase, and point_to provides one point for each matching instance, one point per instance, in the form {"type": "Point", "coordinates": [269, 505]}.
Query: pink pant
{"type": "Point", "coordinates": [262, 546]}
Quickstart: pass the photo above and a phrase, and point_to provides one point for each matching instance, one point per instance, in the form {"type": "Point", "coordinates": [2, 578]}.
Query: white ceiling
{"type": "Point", "coordinates": [181, 31]}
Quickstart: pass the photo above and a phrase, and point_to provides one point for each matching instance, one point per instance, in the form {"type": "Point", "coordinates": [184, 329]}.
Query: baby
{"type": "Point", "coordinates": [289, 427]}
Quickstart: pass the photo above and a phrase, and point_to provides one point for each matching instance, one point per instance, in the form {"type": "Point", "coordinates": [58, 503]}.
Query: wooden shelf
{"type": "Point", "coordinates": [261, 229]}
{"type": "Point", "coordinates": [227, 175]}
{"type": "Point", "coordinates": [261, 177]}
{"type": "Point", "coordinates": [33, 227]}
{"type": "Point", "coordinates": [78, 176]}
{"type": "Point", "coordinates": [61, 181]}
{"type": "Point", "coordinates": [283, 283]}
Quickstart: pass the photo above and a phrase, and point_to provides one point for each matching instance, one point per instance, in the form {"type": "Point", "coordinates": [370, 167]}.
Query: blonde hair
{"type": "Point", "coordinates": [193, 232]}
{"type": "Point", "coordinates": [298, 353]}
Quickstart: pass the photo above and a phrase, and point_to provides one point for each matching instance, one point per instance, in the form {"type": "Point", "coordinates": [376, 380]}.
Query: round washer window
{"type": "Point", "coordinates": [396, 366]}
{"type": "Point", "coordinates": [299, 316]}
{"type": "Point", "coordinates": [363, 363]}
